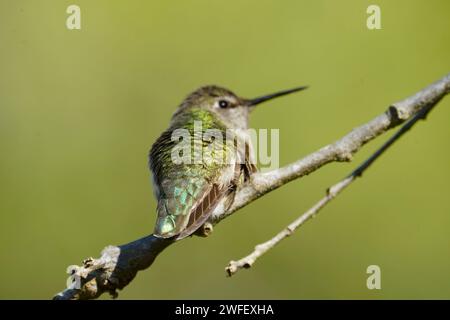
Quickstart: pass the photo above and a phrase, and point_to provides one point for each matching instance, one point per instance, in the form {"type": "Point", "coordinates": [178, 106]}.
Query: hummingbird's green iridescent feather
{"type": "Point", "coordinates": [187, 193]}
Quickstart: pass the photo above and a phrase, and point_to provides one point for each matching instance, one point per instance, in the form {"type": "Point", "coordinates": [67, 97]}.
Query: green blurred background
{"type": "Point", "coordinates": [80, 109]}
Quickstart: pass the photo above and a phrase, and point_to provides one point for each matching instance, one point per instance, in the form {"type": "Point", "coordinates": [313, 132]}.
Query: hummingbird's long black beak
{"type": "Point", "coordinates": [258, 100]}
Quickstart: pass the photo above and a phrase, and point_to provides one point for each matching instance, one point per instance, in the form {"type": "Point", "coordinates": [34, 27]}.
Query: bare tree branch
{"type": "Point", "coordinates": [247, 261]}
{"type": "Point", "coordinates": [118, 265]}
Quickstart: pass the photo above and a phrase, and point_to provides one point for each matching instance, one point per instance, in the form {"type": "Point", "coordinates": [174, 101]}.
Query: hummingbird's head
{"type": "Point", "coordinates": [230, 108]}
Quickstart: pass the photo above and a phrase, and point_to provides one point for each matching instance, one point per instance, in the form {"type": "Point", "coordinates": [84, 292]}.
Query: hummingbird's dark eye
{"type": "Point", "coordinates": [223, 104]}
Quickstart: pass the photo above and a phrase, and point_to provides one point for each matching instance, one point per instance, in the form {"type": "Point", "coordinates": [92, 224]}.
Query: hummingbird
{"type": "Point", "coordinates": [188, 192]}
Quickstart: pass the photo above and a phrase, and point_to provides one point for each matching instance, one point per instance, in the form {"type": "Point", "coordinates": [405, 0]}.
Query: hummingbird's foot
{"type": "Point", "coordinates": [205, 230]}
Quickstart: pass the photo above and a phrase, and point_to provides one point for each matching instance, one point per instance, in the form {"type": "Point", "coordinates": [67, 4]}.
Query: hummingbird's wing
{"type": "Point", "coordinates": [188, 197]}
{"type": "Point", "coordinates": [202, 209]}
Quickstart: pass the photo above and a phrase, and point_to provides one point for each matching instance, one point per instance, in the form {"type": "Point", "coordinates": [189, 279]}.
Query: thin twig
{"type": "Point", "coordinates": [247, 261]}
